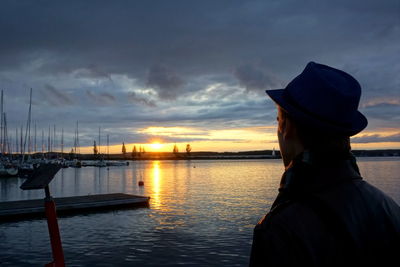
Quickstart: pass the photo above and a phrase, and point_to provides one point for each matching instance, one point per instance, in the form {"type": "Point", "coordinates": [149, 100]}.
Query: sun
{"type": "Point", "coordinates": [156, 146]}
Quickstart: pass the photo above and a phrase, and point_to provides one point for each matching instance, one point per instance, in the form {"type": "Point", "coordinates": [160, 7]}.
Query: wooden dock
{"type": "Point", "coordinates": [23, 209]}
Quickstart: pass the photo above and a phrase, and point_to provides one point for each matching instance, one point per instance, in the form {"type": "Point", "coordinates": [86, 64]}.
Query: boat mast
{"type": "Point", "coordinates": [20, 141]}
{"type": "Point", "coordinates": [16, 140]}
{"type": "Point", "coordinates": [42, 143]}
{"type": "Point", "coordinates": [6, 147]}
{"type": "Point", "coordinates": [35, 146]}
{"type": "Point", "coordinates": [48, 143]}
{"type": "Point", "coordinates": [77, 138]}
{"type": "Point", "coordinates": [9, 142]}
{"type": "Point", "coordinates": [62, 142]}
{"type": "Point", "coordinates": [1, 127]}
{"type": "Point", "coordinates": [99, 142]}
{"type": "Point", "coordinates": [108, 147]}
{"type": "Point", "coordinates": [28, 128]}
{"type": "Point", "coordinates": [29, 123]}
{"type": "Point", "coordinates": [54, 142]}
{"type": "Point", "coordinates": [74, 142]}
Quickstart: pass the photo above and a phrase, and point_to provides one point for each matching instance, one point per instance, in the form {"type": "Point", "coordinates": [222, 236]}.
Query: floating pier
{"type": "Point", "coordinates": [23, 209]}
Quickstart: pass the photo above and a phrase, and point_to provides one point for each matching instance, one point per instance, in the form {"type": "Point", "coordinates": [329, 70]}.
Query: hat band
{"type": "Point", "coordinates": [293, 103]}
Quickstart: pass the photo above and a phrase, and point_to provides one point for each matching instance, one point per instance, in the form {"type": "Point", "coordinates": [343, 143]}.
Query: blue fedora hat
{"type": "Point", "coordinates": [323, 98]}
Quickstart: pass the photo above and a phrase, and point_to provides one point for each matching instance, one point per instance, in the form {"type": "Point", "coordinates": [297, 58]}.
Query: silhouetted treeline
{"type": "Point", "coordinates": [377, 153]}
{"type": "Point", "coordinates": [257, 154]}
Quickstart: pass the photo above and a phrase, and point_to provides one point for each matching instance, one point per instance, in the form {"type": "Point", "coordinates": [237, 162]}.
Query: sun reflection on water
{"type": "Point", "coordinates": [156, 185]}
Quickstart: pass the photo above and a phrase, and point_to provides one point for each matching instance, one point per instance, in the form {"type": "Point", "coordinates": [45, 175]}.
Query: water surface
{"type": "Point", "coordinates": [202, 213]}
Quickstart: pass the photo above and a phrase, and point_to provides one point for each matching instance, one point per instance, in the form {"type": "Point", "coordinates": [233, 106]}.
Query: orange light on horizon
{"type": "Point", "coordinates": [156, 146]}
{"type": "Point", "coordinates": [163, 139]}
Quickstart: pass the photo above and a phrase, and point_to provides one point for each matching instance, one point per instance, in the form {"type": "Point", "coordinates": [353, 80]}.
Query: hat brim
{"type": "Point", "coordinates": [358, 123]}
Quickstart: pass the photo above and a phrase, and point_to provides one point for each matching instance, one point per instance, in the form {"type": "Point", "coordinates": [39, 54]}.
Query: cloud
{"type": "Point", "coordinates": [381, 101]}
{"type": "Point", "coordinates": [134, 98]}
{"type": "Point", "coordinates": [101, 98]}
{"type": "Point", "coordinates": [56, 97]}
{"type": "Point", "coordinates": [107, 96]}
{"type": "Point", "coordinates": [383, 111]}
{"type": "Point", "coordinates": [255, 79]}
{"type": "Point", "coordinates": [204, 57]}
{"type": "Point", "coordinates": [376, 138]}
{"type": "Point", "coordinates": [91, 72]}
{"type": "Point", "coordinates": [180, 134]}
{"type": "Point", "coordinates": [165, 81]}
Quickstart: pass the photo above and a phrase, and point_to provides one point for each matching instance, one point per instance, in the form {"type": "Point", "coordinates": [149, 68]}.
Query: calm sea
{"type": "Point", "coordinates": [202, 213]}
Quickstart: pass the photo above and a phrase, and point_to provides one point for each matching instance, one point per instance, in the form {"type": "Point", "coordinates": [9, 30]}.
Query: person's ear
{"type": "Point", "coordinates": [281, 122]}
{"type": "Point", "coordinates": [290, 129]}
{"type": "Point", "coordinates": [286, 126]}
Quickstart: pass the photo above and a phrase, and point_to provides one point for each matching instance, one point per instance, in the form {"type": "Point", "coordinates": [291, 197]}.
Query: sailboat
{"type": "Point", "coordinates": [76, 163]}
{"type": "Point", "coordinates": [26, 166]}
{"type": "Point", "coordinates": [100, 162]}
{"type": "Point", "coordinates": [7, 171]}
{"type": "Point", "coordinates": [6, 167]}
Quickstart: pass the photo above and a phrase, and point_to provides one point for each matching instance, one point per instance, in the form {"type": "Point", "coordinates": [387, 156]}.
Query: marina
{"type": "Point", "coordinates": [161, 133]}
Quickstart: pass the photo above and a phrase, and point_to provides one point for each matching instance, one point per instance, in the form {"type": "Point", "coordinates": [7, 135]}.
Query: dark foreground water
{"type": "Point", "coordinates": [202, 213]}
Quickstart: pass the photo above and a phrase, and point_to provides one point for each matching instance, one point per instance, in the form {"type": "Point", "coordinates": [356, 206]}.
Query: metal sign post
{"type": "Point", "coordinates": [40, 179]}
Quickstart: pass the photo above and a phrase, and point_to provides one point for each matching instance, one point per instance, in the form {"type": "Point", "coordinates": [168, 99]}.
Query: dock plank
{"type": "Point", "coordinates": [35, 208]}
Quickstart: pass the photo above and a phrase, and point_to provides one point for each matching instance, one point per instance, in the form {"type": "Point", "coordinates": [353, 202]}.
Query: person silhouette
{"type": "Point", "coordinates": [325, 214]}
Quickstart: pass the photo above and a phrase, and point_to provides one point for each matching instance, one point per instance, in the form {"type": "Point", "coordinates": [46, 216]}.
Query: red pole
{"type": "Point", "coordinates": [54, 232]}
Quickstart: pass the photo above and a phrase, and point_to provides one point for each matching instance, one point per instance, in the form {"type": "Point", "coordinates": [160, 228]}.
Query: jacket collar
{"type": "Point", "coordinates": [311, 171]}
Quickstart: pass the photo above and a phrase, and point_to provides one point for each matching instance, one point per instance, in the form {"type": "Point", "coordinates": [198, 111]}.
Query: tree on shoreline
{"type": "Point", "coordinates": [188, 149]}
{"type": "Point", "coordinates": [134, 152]}
{"type": "Point", "coordinates": [175, 150]}
{"type": "Point", "coordinates": [123, 149]}
{"type": "Point", "coordinates": [95, 150]}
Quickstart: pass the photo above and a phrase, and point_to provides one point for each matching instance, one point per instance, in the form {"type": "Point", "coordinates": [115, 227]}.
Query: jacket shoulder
{"type": "Point", "coordinates": [277, 238]}
{"type": "Point", "coordinates": [378, 200]}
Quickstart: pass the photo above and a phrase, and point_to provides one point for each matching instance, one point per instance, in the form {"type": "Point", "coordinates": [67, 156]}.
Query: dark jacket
{"type": "Point", "coordinates": [327, 215]}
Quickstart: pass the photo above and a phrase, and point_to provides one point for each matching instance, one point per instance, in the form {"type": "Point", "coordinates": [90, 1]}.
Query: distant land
{"type": "Point", "coordinates": [257, 154]}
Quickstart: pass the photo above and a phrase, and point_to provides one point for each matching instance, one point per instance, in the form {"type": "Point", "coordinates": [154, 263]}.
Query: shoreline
{"type": "Point", "coordinates": [207, 155]}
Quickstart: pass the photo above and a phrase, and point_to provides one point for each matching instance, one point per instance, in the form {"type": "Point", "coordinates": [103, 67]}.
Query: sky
{"type": "Point", "coordinates": [179, 72]}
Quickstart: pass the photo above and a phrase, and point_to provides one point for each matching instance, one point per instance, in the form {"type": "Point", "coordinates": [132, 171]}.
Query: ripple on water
{"type": "Point", "coordinates": [201, 216]}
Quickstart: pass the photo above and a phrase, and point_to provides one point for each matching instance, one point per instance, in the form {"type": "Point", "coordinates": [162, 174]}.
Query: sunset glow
{"type": "Point", "coordinates": [156, 146]}
{"type": "Point", "coordinates": [163, 139]}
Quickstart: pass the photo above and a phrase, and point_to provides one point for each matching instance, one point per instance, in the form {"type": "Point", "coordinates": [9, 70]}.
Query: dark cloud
{"type": "Point", "coordinates": [201, 37]}
{"type": "Point", "coordinates": [91, 72]}
{"type": "Point", "coordinates": [165, 81]}
{"type": "Point", "coordinates": [201, 56]}
{"type": "Point", "coordinates": [376, 138]}
{"type": "Point", "coordinates": [255, 79]}
{"type": "Point", "coordinates": [134, 98]}
{"type": "Point", "coordinates": [107, 96]}
{"type": "Point", "coordinates": [56, 97]}
{"type": "Point", "coordinates": [384, 111]}
{"type": "Point", "coordinates": [101, 98]}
